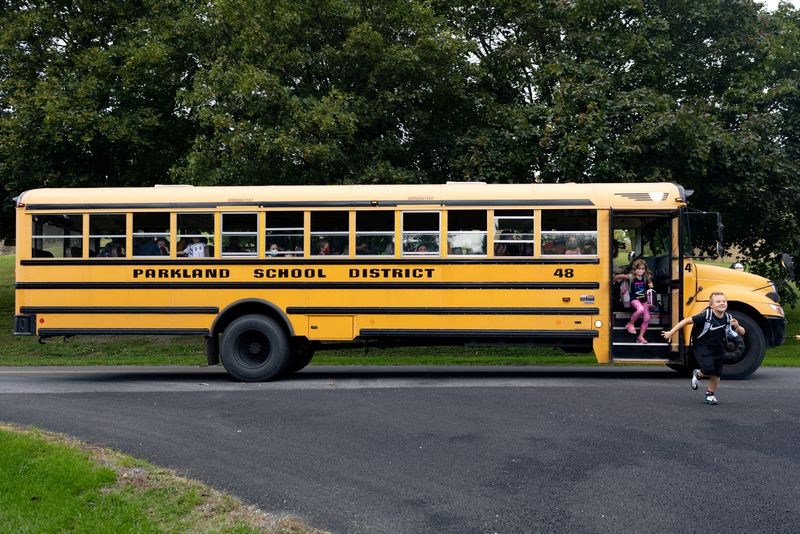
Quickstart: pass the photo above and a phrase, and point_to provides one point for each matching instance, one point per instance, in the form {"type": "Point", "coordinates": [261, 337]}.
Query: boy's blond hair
{"type": "Point", "coordinates": [715, 293]}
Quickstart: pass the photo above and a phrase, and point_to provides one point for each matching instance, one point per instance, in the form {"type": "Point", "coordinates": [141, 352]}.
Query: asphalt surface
{"type": "Point", "coordinates": [450, 449]}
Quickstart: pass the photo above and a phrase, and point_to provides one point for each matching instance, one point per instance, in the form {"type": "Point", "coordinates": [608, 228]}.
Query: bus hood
{"type": "Point", "coordinates": [730, 276]}
{"type": "Point", "coordinates": [712, 275]}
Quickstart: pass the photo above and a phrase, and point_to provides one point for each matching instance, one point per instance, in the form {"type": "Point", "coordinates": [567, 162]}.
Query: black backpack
{"type": "Point", "coordinates": [707, 325]}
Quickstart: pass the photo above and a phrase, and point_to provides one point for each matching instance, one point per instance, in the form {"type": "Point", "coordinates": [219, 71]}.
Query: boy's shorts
{"type": "Point", "coordinates": [710, 361]}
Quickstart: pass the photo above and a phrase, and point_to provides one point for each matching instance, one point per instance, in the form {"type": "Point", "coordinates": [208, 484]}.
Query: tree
{"type": "Point", "coordinates": [699, 92]}
{"type": "Point", "coordinates": [88, 93]}
{"type": "Point", "coordinates": [703, 93]}
{"type": "Point", "coordinates": [327, 91]}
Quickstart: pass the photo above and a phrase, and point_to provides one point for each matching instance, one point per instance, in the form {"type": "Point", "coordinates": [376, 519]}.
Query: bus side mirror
{"type": "Point", "coordinates": [720, 237]}
{"type": "Point", "coordinates": [788, 264]}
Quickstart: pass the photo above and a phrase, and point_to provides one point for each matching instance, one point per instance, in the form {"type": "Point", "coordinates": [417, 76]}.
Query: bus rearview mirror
{"type": "Point", "coordinates": [788, 264]}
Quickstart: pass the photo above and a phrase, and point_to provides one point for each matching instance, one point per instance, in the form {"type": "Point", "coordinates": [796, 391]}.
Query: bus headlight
{"type": "Point", "coordinates": [777, 309]}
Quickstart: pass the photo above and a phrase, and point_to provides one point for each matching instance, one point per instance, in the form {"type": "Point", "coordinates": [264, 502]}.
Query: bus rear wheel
{"type": "Point", "coordinates": [254, 349]}
{"type": "Point", "coordinates": [300, 355]}
{"type": "Point", "coordinates": [744, 356]}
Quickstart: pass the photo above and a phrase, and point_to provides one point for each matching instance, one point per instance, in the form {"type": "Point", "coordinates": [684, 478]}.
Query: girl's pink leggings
{"type": "Point", "coordinates": [643, 311]}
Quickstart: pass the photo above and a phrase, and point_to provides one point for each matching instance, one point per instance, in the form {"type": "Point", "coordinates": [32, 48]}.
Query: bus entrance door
{"type": "Point", "coordinates": [652, 238]}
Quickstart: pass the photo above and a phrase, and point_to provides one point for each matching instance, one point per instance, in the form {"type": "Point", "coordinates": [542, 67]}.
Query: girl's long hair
{"type": "Point", "coordinates": [641, 263]}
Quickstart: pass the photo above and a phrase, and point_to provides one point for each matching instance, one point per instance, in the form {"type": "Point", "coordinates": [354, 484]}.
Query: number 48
{"type": "Point", "coordinates": [564, 273]}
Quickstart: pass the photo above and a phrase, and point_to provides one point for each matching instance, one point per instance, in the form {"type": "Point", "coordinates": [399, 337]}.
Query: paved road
{"type": "Point", "coordinates": [451, 449]}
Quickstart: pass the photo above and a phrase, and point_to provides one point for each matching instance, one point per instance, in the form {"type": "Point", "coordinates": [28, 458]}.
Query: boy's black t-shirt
{"type": "Point", "coordinates": [715, 338]}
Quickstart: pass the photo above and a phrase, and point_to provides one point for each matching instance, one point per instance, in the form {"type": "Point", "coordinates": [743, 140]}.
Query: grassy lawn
{"type": "Point", "coordinates": [22, 350]}
{"type": "Point", "coordinates": [50, 483]}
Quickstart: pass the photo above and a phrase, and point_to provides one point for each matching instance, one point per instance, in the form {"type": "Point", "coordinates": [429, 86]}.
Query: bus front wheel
{"type": "Point", "coordinates": [254, 348]}
{"type": "Point", "coordinates": [744, 356]}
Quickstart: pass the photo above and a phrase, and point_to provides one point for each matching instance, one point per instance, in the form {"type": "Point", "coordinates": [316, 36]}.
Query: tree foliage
{"type": "Point", "coordinates": [703, 93]}
{"type": "Point", "coordinates": [88, 93]}
{"type": "Point", "coordinates": [327, 91]}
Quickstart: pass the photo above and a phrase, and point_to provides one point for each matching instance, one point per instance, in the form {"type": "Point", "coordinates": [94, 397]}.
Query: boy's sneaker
{"type": "Point", "coordinates": [695, 380]}
{"type": "Point", "coordinates": [711, 399]}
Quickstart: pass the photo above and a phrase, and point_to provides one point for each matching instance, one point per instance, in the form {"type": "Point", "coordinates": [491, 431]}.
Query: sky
{"type": "Point", "coordinates": [772, 4]}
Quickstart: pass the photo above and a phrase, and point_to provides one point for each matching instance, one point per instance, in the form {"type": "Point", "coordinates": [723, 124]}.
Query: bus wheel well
{"type": "Point", "coordinates": [239, 309]}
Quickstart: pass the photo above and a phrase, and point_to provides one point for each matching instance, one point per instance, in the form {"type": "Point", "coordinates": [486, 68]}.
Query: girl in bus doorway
{"type": "Point", "coordinates": [641, 282]}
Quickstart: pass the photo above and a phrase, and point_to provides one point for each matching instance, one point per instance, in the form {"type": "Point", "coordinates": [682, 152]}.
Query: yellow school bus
{"type": "Point", "coordinates": [271, 274]}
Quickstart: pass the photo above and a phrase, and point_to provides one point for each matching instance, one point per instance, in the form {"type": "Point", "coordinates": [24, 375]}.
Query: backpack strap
{"type": "Point", "coordinates": [706, 324]}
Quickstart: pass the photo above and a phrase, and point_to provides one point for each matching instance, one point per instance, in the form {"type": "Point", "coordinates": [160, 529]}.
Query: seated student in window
{"type": "Point", "coordinates": [323, 248]}
{"type": "Point", "coordinates": [549, 247]}
{"type": "Point", "coordinates": [273, 249]}
{"type": "Point", "coordinates": [195, 249]}
{"type": "Point", "coordinates": [163, 247]}
{"type": "Point", "coordinates": [112, 249]}
{"type": "Point", "coordinates": [572, 246]}
{"type": "Point", "coordinates": [145, 246]}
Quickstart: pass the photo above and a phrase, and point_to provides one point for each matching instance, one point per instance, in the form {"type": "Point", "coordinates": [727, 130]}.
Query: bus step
{"type": "Point", "coordinates": [653, 336]}
{"type": "Point", "coordinates": [631, 349]}
{"type": "Point", "coordinates": [622, 318]}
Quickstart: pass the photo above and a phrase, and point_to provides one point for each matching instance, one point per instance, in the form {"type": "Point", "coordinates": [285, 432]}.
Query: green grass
{"type": "Point", "coordinates": [49, 483]}
{"type": "Point", "coordinates": [26, 351]}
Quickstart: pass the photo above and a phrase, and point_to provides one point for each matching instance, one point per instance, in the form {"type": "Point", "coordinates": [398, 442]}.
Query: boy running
{"type": "Point", "coordinates": [710, 333]}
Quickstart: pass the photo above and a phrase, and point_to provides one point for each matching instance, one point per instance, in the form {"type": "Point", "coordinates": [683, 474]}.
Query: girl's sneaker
{"type": "Point", "coordinates": [711, 399]}
{"type": "Point", "coordinates": [641, 340]}
{"type": "Point", "coordinates": [631, 329]}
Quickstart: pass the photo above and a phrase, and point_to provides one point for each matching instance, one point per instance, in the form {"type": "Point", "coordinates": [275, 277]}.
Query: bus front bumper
{"type": "Point", "coordinates": [776, 331]}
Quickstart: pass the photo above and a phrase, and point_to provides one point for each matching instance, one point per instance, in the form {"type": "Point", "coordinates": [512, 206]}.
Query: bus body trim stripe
{"type": "Point", "coordinates": [307, 285]}
{"type": "Point", "coordinates": [312, 204]}
{"type": "Point", "coordinates": [189, 310]}
{"type": "Point", "coordinates": [292, 310]}
{"type": "Point", "coordinates": [364, 262]}
{"type": "Point", "coordinates": [398, 332]}
{"type": "Point", "coordinates": [123, 331]}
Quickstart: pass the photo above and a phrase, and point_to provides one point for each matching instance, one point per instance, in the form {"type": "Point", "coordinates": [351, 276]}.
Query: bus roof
{"type": "Point", "coordinates": [616, 195]}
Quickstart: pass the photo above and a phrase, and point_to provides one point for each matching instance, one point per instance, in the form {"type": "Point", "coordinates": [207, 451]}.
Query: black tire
{"type": "Point", "coordinates": [300, 356]}
{"type": "Point", "coordinates": [254, 349]}
{"type": "Point", "coordinates": [743, 357]}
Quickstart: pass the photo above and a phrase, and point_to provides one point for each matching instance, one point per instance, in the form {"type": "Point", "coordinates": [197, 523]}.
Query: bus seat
{"type": "Point", "coordinates": [209, 251]}
{"type": "Point", "coordinates": [659, 266]}
{"type": "Point", "coordinates": [39, 253]}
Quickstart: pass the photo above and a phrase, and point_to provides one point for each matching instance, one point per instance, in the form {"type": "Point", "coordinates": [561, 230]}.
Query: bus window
{"type": "Point", "coordinates": [513, 233]}
{"type": "Point", "coordinates": [330, 233]}
{"type": "Point", "coordinates": [421, 233]}
{"type": "Point", "coordinates": [239, 234]}
{"type": "Point", "coordinates": [569, 232]}
{"type": "Point", "coordinates": [195, 235]}
{"type": "Point", "coordinates": [151, 234]}
{"type": "Point", "coordinates": [374, 233]}
{"type": "Point", "coordinates": [107, 235]}
{"type": "Point", "coordinates": [284, 233]}
{"type": "Point", "coordinates": [466, 232]}
{"type": "Point", "coordinates": [57, 236]}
